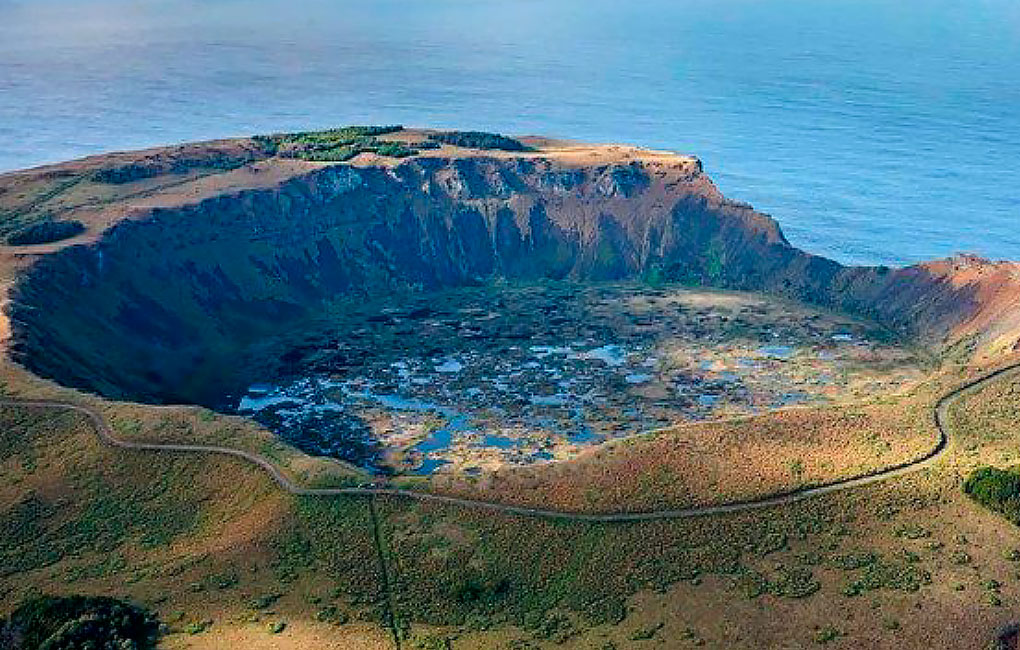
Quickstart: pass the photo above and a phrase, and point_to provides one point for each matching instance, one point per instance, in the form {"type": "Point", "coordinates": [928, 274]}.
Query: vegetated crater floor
{"type": "Point", "coordinates": [479, 378]}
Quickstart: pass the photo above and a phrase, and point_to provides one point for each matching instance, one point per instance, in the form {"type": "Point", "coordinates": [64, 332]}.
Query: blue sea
{"type": "Point", "coordinates": [875, 131]}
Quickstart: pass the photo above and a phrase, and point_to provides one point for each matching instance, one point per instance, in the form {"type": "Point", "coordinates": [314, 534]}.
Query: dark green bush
{"type": "Point", "coordinates": [479, 140]}
{"type": "Point", "coordinates": [73, 622]}
{"type": "Point", "coordinates": [332, 154]}
{"type": "Point", "coordinates": [45, 232]}
{"type": "Point", "coordinates": [395, 150]}
{"type": "Point", "coordinates": [996, 489]}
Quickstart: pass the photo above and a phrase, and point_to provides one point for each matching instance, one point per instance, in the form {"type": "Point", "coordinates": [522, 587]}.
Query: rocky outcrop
{"type": "Point", "coordinates": [162, 302]}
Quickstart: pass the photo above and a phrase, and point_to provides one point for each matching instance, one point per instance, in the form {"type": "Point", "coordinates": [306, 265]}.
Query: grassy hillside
{"type": "Point", "coordinates": [197, 538]}
{"type": "Point", "coordinates": [720, 462]}
{"type": "Point", "coordinates": [223, 556]}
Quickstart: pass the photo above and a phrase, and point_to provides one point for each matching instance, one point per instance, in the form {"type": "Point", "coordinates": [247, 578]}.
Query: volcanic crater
{"type": "Point", "coordinates": [459, 309]}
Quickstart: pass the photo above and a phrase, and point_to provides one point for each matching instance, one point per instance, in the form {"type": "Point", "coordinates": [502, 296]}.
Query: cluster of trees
{"type": "Point", "coordinates": [996, 489]}
{"type": "Point", "coordinates": [45, 232]}
{"type": "Point", "coordinates": [78, 622]}
{"type": "Point", "coordinates": [395, 150]}
{"type": "Point", "coordinates": [344, 133]}
{"type": "Point", "coordinates": [479, 140]}
{"type": "Point", "coordinates": [334, 145]}
{"type": "Point", "coordinates": [341, 144]}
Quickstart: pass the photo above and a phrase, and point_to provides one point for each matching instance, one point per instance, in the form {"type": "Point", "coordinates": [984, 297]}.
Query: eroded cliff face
{"type": "Point", "coordinates": [162, 303]}
{"type": "Point", "coordinates": [966, 303]}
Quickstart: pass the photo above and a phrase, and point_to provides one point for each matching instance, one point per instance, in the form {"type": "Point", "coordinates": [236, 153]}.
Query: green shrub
{"type": "Point", "coordinates": [960, 557]}
{"type": "Point", "coordinates": [332, 614]}
{"type": "Point", "coordinates": [795, 582]}
{"type": "Point", "coordinates": [264, 602]}
{"type": "Point", "coordinates": [69, 623]}
{"type": "Point", "coordinates": [912, 531]}
{"type": "Point", "coordinates": [892, 574]}
{"type": "Point", "coordinates": [394, 150]}
{"type": "Point", "coordinates": [553, 626]}
{"type": "Point", "coordinates": [440, 642]}
{"type": "Point", "coordinates": [996, 489]}
{"type": "Point", "coordinates": [853, 560]}
{"type": "Point", "coordinates": [827, 634]}
{"type": "Point", "coordinates": [646, 633]}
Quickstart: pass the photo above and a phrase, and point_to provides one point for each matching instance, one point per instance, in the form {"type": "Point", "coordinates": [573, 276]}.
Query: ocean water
{"type": "Point", "coordinates": [876, 131]}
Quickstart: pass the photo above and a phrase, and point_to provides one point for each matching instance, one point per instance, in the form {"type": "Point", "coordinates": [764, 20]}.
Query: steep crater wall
{"type": "Point", "coordinates": [161, 307]}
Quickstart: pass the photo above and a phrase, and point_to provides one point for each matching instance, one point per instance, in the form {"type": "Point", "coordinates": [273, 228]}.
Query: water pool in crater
{"type": "Point", "coordinates": [479, 377]}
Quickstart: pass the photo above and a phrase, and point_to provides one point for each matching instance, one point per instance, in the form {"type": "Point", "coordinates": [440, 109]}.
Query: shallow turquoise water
{"type": "Point", "coordinates": [874, 130]}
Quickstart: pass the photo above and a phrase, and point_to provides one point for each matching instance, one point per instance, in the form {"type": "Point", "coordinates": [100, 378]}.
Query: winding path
{"type": "Point", "coordinates": [939, 413]}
